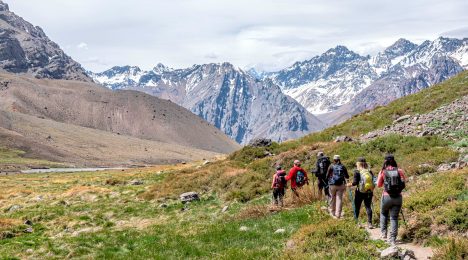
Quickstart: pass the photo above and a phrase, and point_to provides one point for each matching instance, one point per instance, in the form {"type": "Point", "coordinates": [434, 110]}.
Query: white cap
{"type": "Point", "coordinates": [336, 157]}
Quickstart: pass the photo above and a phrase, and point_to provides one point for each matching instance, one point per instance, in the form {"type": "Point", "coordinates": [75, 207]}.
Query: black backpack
{"type": "Point", "coordinates": [323, 165]}
{"type": "Point", "coordinates": [338, 177]}
{"type": "Point", "coordinates": [393, 184]}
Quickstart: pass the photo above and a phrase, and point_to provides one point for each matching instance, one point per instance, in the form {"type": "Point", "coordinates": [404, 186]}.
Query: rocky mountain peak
{"type": "Point", "coordinates": [25, 48]}
{"type": "Point", "coordinates": [4, 6]}
{"type": "Point", "coordinates": [400, 47]}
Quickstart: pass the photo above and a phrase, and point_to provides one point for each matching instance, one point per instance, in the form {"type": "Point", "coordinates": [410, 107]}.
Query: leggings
{"type": "Point", "coordinates": [359, 197]}
{"type": "Point", "coordinates": [390, 206]}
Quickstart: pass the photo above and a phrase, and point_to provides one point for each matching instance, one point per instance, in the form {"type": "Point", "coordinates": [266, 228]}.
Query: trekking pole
{"type": "Point", "coordinates": [403, 216]}
{"type": "Point", "coordinates": [352, 203]}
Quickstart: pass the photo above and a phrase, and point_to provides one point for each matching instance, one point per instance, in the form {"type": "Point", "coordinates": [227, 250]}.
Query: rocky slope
{"type": "Point", "coordinates": [82, 120]}
{"type": "Point", "coordinates": [240, 105]}
{"type": "Point", "coordinates": [449, 121]}
{"type": "Point", "coordinates": [341, 83]}
{"type": "Point", "coordinates": [24, 48]}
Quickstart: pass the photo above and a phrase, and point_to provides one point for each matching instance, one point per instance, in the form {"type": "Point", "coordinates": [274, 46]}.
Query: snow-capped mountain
{"type": "Point", "coordinates": [239, 104]}
{"type": "Point", "coordinates": [326, 83]}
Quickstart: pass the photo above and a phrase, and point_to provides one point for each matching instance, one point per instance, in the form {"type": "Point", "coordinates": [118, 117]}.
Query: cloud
{"type": "Point", "coordinates": [271, 33]}
{"type": "Point", "coordinates": [82, 46]}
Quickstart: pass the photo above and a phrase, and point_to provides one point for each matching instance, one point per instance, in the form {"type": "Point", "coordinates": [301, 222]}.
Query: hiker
{"type": "Point", "coordinates": [337, 175]}
{"type": "Point", "coordinates": [364, 180]}
{"type": "Point", "coordinates": [321, 168]}
{"type": "Point", "coordinates": [392, 179]}
{"type": "Point", "coordinates": [278, 185]}
{"type": "Point", "coordinates": [298, 177]}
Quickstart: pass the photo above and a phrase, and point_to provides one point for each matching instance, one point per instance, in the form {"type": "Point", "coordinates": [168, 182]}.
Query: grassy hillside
{"type": "Point", "coordinates": [100, 215]}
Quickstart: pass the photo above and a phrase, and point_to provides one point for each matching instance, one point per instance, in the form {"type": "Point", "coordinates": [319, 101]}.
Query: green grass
{"type": "Point", "coordinates": [13, 157]}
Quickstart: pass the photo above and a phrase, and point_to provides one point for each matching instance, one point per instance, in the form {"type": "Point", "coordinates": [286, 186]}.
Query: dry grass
{"type": "Point", "coordinates": [82, 190]}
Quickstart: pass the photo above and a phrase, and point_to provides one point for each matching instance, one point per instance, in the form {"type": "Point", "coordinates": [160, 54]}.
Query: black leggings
{"type": "Point", "coordinates": [367, 198]}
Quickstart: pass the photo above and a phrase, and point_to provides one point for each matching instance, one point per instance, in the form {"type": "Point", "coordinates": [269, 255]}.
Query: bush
{"type": "Point", "coordinates": [457, 248]}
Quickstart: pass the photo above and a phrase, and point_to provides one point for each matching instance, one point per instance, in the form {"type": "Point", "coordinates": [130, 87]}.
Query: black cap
{"type": "Point", "coordinates": [361, 159]}
{"type": "Point", "coordinates": [389, 157]}
{"type": "Point", "coordinates": [278, 167]}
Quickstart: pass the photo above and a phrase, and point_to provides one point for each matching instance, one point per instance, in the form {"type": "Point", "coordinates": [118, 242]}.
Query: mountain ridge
{"type": "Point", "coordinates": [240, 105]}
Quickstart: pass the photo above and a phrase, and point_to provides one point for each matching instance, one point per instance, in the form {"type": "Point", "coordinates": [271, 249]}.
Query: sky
{"type": "Point", "coordinates": [265, 34]}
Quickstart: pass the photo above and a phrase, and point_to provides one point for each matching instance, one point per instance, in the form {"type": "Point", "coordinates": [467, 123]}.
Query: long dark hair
{"type": "Point", "coordinates": [389, 161]}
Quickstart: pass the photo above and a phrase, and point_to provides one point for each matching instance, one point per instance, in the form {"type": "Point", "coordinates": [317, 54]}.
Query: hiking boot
{"type": "Point", "coordinates": [392, 242]}
{"type": "Point", "coordinates": [370, 226]}
{"type": "Point", "coordinates": [383, 237]}
{"type": "Point", "coordinates": [334, 217]}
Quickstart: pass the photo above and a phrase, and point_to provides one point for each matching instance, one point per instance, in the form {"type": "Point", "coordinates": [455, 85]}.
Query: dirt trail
{"type": "Point", "coordinates": [419, 251]}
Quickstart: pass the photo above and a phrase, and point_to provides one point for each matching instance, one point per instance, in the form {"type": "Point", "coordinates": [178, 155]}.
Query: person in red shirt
{"type": "Point", "coordinates": [297, 176]}
{"type": "Point", "coordinates": [393, 180]}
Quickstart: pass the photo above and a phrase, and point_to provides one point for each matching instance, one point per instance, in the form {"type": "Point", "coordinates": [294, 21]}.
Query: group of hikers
{"type": "Point", "coordinates": [333, 180]}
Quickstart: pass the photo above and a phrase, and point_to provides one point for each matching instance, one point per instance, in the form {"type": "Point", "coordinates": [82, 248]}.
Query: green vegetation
{"type": "Point", "coordinates": [99, 215]}
{"type": "Point", "coordinates": [10, 158]}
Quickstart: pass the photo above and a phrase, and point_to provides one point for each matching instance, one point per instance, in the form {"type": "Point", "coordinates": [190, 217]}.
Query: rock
{"type": "Point", "coordinates": [280, 231]}
{"type": "Point", "coordinates": [163, 205]}
{"type": "Point", "coordinates": [290, 244]}
{"type": "Point", "coordinates": [14, 208]}
{"type": "Point", "coordinates": [189, 196]}
{"type": "Point", "coordinates": [136, 182]}
{"type": "Point", "coordinates": [389, 253]}
{"type": "Point", "coordinates": [261, 142]}
{"type": "Point", "coordinates": [206, 162]}
{"type": "Point", "coordinates": [401, 119]}
{"type": "Point", "coordinates": [29, 230]}
{"type": "Point", "coordinates": [243, 228]}
{"type": "Point", "coordinates": [267, 154]}
{"type": "Point", "coordinates": [343, 138]}
{"type": "Point", "coordinates": [225, 209]}
{"type": "Point", "coordinates": [28, 222]}
{"type": "Point", "coordinates": [407, 255]}
{"type": "Point", "coordinates": [29, 251]}
{"type": "Point", "coordinates": [6, 235]}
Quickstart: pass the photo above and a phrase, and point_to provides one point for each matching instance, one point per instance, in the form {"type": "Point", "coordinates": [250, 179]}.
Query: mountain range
{"type": "Point", "coordinates": [340, 83]}
{"type": "Point", "coordinates": [51, 109]}
{"type": "Point", "coordinates": [231, 99]}
{"type": "Point", "coordinates": [326, 89]}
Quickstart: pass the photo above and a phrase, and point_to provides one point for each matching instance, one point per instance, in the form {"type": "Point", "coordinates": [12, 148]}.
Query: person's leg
{"type": "Point", "coordinates": [384, 212]}
{"type": "Point", "coordinates": [368, 205]}
{"type": "Point", "coordinates": [320, 187]}
{"type": "Point", "coordinates": [281, 197]}
{"type": "Point", "coordinates": [358, 197]}
{"type": "Point", "coordinates": [394, 212]}
{"type": "Point", "coordinates": [339, 199]}
{"type": "Point", "coordinates": [332, 200]}
{"type": "Point", "coordinates": [275, 196]}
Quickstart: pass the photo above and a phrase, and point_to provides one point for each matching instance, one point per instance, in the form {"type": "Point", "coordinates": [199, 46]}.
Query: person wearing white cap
{"type": "Point", "coordinates": [337, 175]}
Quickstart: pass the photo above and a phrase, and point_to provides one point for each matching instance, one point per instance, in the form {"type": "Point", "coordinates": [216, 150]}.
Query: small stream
{"type": "Point", "coordinates": [68, 170]}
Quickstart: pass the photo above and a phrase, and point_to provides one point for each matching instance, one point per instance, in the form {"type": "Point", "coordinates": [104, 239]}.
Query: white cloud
{"type": "Point", "coordinates": [270, 34]}
{"type": "Point", "coordinates": [82, 46]}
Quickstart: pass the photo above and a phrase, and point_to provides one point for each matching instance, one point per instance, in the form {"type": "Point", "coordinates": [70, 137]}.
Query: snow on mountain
{"type": "Point", "coordinates": [231, 99]}
{"type": "Point", "coordinates": [327, 82]}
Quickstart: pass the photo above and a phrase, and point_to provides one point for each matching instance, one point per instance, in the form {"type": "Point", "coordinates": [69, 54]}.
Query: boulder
{"type": "Point", "coordinates": [29, 230]}
{"type": "Point", "coordinates": [343, 138]}
{"type": "Point", "coordinates": [206, 162]}
{"type": "Point", "coordinates": [389, 253]}
{"type": "Point", "coordinates": [14, 208]}
{"type": "Point", "coordinates": [401, 119]}
{"type": "Point", "coordinates": [136, 182]}
{"type": "Point", "coordinates": [261, 142]}
{"type": "Point", "coordinates": [28, 222]}
{"type": "Point", "coordinates": [225, 209]}
{"type": "Point", "coordinates": [189, 196]}
{"type": "Point", "coordinates": [407, 255]}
